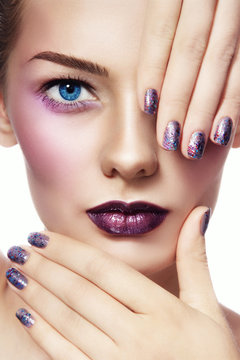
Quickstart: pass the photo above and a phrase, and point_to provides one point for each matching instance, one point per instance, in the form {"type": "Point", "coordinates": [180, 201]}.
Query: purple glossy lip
{"type": "Point", "coordinates": [120, 218]}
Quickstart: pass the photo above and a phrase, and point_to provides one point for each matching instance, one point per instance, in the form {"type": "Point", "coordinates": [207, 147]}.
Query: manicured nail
{"type": "Point", "coordinates": [223, 132]}
{"type": "Point", "coordinates": [205, 221]}
{"type": "Point", "coordinates": [172, 136]}
{"type": "Point", "coordinates": [151, 101]}
{"type": "Point", "coordinates": [196, 145]}
{"type": "Point", "coordinates": [18, 255]}
{"type": "Point", "coordinates": [16, 278]}
{"type": "Point", "coordinates": [25, 317]}
{"type": "Point", "coordinates": [37, 239]}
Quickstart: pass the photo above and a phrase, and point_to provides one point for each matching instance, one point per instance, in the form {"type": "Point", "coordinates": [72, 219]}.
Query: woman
{"type": "Point", "coordinates": [102, 281]}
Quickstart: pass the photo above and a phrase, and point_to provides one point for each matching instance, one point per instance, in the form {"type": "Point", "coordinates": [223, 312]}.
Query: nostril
{"type": "Point", "coordinates": [141, 173]}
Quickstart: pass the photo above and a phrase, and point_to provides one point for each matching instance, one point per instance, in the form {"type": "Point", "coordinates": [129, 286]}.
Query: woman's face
{"type": "Point", "coordinates": [80, 155]}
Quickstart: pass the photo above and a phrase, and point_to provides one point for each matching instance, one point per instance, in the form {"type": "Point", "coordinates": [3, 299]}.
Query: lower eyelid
{"type": "Point", "coordinates": [71, 107]}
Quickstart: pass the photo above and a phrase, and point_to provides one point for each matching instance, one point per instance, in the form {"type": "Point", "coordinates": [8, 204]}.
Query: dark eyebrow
{"type": "Point", "coordinates": [72, 62]}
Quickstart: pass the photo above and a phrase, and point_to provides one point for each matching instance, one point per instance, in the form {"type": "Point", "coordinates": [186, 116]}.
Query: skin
{"type": "Point", "coordinates": [190, 54]}
{"type": "Point", "coordinates": [113, 144]}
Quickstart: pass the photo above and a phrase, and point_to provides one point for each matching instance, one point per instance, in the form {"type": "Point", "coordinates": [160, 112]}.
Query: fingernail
{"type": "Point", "coordinates": [16, 278]}
{"type": "Point", "coordinates": [37, 239]}
{"type": "Point", "coordinates": [25, 317]}
{"type": "Point", "coordinates": [172, 136]}
{"type": "Point", "coordinates": [205, 221]}
{"type": "Point", "coordinates": [151, 101]}
{"type": "Point", "coordinates": [223, 132]}
{"type": "Point", "coordinates": [196, 145]}
{"type": "Point", "coordinates": [18, 255]}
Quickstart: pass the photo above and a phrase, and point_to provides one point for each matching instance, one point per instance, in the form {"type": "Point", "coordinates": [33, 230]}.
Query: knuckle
{"type": "Point", "coordinates": [223, 54]}
{"type": "Point", "coordinates": [37, 262]}
{"type": "Point", "coordinates": [33, 293]}
{"type": "Point", "coordinates": [193, 47]}
{"type": "Point", "coordinates": [74, 321]}
{"type": "Point", "coordinates": [232, 100]}
{"type": "Point", "coordinates": [75, 289]}
{"type": "Point", "coordinates": [98, 264]}
{"type": "Point", "coordinates": [162, 31]}
{"type": "Point", "coordinates": [175, 102]}
{"type": "Point", "coordinates": [202, 113]}
{"type": "Point", "coordinates": [156, 65]}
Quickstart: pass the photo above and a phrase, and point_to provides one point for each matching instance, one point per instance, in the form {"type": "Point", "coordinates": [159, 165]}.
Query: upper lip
{"type": "Point", "coordinates": [127, 208]}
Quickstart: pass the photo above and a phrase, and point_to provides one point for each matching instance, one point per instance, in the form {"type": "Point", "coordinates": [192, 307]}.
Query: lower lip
{"type": "Point", "coordinates": [118, 223]}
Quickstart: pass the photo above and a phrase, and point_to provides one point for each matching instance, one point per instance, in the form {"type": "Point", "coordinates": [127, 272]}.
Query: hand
{"type": "Point", "coordinates": [90, 305]}
{"type": "Point", "coordinates": [190, 54]}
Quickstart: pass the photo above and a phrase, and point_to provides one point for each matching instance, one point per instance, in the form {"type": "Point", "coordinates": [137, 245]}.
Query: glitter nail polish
{"type": "Point", "coordinates": [223, 132]}
{"type": "Point", "coordinates": [37, 239]}
{"type": "Point", "coordinates": [25, 317]}
{"type": "Point", "coordinates": [151, 101]}
{"type": "Point", "coordinates": [16, 278]}
{"type": "Point", "coordinates": [196, 145]}
{"type": "Point", "coordinates": [205, 221]}
{"type": "Point", "coordinates": [171, 136]}
{"type": "Point", "coordinates": [18, 255]}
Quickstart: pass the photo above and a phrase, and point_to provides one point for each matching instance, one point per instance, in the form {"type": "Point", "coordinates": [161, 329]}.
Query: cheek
{"type": "Point", "coordinates": [54, 145]}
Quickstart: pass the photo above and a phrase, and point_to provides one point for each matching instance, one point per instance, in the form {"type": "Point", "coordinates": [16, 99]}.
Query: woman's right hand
{"type": "Point", "coordinates": [190, 57]}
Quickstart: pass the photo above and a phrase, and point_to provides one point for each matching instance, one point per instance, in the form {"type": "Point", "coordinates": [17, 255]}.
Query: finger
{"type": "Point", "coordinates": [47, 338]}
{"type": "Point", "coordinates": [116, 278]}
{"type": "Point", "coordinates": [214, 72]}
{"type": "Point", "coordinates": [189, 46]}
{"type": "Point", "coordinates": [159, 29]}
{"type": "Point", "coordinates": [195, 283]}
{"type": "Point", "coordinates": [72, 297]}
{"type": "Point", "coordinates": [229, 107]}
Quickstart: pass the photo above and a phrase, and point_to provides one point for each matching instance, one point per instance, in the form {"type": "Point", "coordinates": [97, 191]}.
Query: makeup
{"type": "Point", "coordinates": [171, 136]}
{"type": "Point", "coordinates": [16, 278]}
{"type": "Point", "coordinates": [196, 145]}
{"type": "Point", "coordinates": [37, 239]}
{"type": "Point", "coordinates": [25, 317]}
{"type": "Point", "coordinates": [18, 255]}
{"type": "Point", "coordinates": [223, 132]}
{"type": "Point", "coordinates": [120, 218]}
{"type": "Point", "coordinates": [151, 101]}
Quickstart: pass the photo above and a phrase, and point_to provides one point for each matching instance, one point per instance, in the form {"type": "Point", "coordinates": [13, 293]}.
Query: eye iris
{"type": "Point", "coordinates": [69, 91]}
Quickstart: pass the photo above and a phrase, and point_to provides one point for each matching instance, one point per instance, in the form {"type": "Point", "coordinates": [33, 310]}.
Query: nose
{"type": "Point", "coordinates": [130, 150]}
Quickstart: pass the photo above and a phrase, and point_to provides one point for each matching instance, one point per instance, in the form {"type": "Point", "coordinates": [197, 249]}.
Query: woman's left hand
{"type": "Point", "coordinates": [89, 305]}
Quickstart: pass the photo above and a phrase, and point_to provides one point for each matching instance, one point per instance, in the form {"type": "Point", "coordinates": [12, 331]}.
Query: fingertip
{"type": "Point", "coordinates": [205, 218]}
{"type": "Point", "coordinates": [198, 218]}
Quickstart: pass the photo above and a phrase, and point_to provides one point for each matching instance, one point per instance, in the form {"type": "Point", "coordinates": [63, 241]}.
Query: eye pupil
{"type": "Point", "coordinates": [69, 91]}
{"type": "Point", "coordinates": [70, 88]}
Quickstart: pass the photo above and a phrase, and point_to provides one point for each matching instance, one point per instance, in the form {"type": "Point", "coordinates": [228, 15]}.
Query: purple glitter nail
{"type": "Point", "coordinates": [205, 221]}
{"type": "Point", "coordinates": [172, 136]}
{"type": "Point", "coordinates": [16, 278]}
{"type": "Point", "coordinates": [196, 145]}
{"type": "Point", "coordinates": [37, 239]}
{"type": "Point", "coordinates": [25, 317]}
{"type": "Point", "coordinates": [18, 255]}
{"type": "Point", "coordinates": [151, 101]}
{"type": "Point", "coordinates": [223, 132]}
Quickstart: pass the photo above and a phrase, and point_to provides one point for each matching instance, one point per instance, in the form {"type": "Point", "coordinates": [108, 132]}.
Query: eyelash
{"type": "Point", "coordinates": [73, 106]}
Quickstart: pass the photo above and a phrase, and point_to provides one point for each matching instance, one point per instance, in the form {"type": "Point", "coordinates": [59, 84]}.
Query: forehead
{"type": "Point", "coordinates": [103, 30]}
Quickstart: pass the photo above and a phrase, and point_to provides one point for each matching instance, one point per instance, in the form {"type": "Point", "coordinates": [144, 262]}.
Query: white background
{"type": "Point", "coordinates": [18, 218]}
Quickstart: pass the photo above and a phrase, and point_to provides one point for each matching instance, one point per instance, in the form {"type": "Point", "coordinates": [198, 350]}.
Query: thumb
{"type": "Point", "coordinates": [195, 283]}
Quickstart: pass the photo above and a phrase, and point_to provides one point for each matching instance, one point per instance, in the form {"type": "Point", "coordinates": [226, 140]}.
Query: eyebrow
{"type": "Point", "coordinates": [72, 62]}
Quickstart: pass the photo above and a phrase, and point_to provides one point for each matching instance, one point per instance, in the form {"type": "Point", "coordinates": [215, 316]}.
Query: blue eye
{"type": "Point", "coordinates": [69, 91]}
{"type": "Point", "coordinates": [68, 95]}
